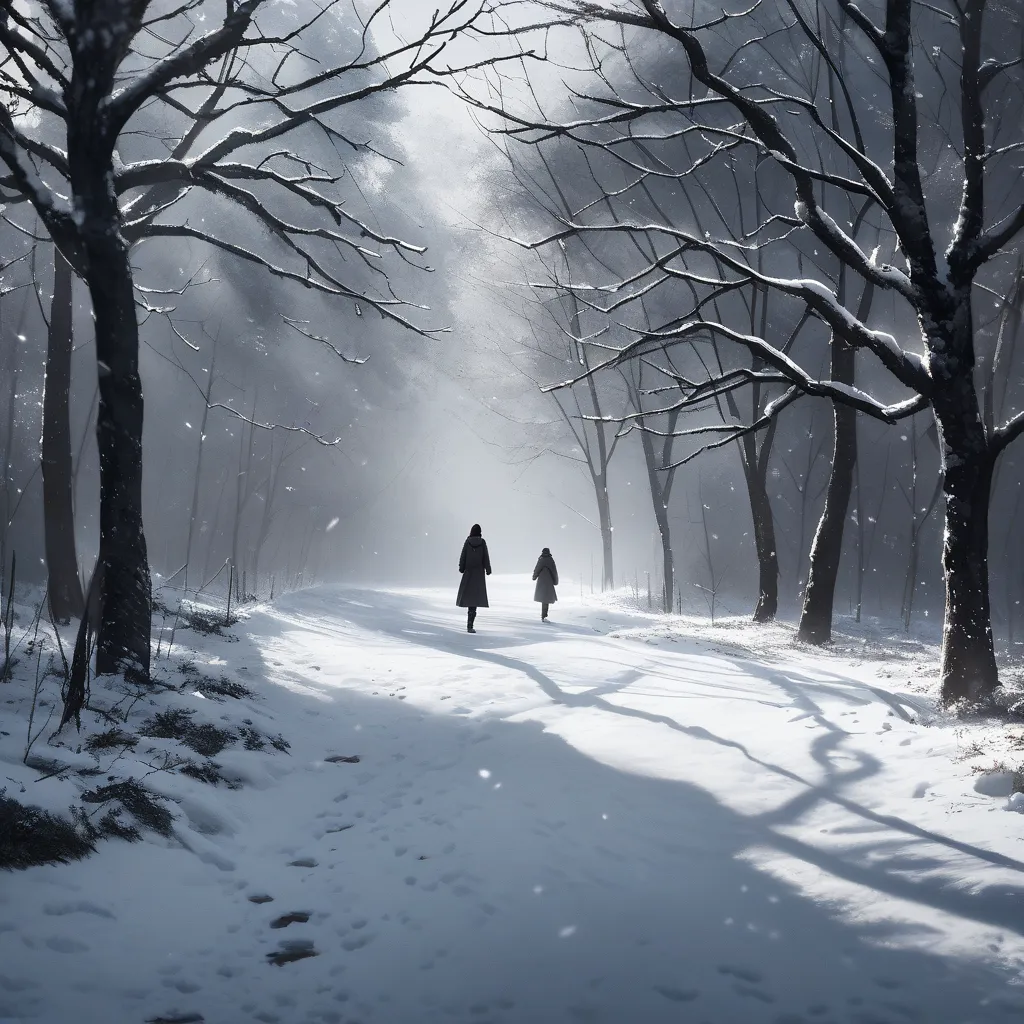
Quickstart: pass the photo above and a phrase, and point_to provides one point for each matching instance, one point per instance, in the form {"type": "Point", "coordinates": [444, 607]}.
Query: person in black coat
{"type": "Point", "coordinates": [546, 575]}
{"type": "Point", "coordinates": [475, 566]}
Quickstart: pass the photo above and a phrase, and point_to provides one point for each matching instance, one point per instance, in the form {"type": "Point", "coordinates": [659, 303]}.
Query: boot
{"type": "Point", "coordinates": [471, 618]}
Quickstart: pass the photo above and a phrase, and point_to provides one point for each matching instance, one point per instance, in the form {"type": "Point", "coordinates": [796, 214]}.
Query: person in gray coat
{"type": "Point", "coordinates": [475, 565]}
{"type": "Point", "coordinates": [546, 575]}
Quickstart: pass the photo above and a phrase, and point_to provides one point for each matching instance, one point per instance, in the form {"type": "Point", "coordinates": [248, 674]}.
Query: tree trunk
{"type": "Point", "coordinates": [968, 461]}
{"type": "Point", "coordinates": [243, 491]}
{"type": "Point", "coordinates": [827, 546]}
{"type": "Point", "coordinates": [11, 369]}
{"type": "Point", "coordinates": [968, 654]}
{"type": "Point", "coordinates": [659, 499]}
{"type": "Point", "coordinates": [859, 599]}
{"type": "Point", "coordinates": [764, 543]}
{"type": "Point", "coordinates": [211, 540]}
{"type": "Point", "coordinates": [668, 566]}
{"type": "Point", "coordinates": [123, 637]}
{"type": "Point", "coordinates": [193, 508]}
{"type": "Point", "coordinates": [64, 588]}
{"type": "Point", "coordinates": [604, 514]}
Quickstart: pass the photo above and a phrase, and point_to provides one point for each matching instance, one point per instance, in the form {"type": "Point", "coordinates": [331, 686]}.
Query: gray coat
{"type": "Point", "coordinates": [475, 566]}
{"type": "Point", "coordinates": [546, 575]}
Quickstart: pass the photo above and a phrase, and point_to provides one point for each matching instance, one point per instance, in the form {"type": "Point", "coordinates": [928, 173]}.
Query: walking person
{"type": "Point", "coordinates": [546, 575]}
{"type": "Point", "coordinates": [475, 566]}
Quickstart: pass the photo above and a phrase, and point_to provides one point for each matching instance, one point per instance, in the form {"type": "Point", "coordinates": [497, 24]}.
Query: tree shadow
{"type": "Point", "coordinates": [934, 883]}
{"type": "Point", "coordinates": [647, 909]}
{"type": "Point", "coordinates": [485, 871]}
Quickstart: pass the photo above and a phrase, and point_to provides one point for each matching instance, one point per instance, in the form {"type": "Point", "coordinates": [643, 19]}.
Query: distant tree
{"type": "Point", "coordinates": [562, 327]}
{"type": "Point", "coordinates": [657, 448]}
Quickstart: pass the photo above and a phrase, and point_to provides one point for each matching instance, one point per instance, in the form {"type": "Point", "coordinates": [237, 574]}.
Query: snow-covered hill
{"type": "Point", "coordinates": [611, 818]}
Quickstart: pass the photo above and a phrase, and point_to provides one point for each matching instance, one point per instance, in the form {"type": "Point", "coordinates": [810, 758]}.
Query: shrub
{"type": "Point", "coordinates": [110, 738]}
{"type": "Point", "coordinates": [176, 724]}
{"type": "Point", "coordinates": [30, 836]}
{"type": "Point", "coordinates": [137, 801]}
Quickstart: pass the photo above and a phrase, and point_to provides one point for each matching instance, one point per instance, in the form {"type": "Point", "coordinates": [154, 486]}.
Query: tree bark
{"type": "Point", "coordinates": [764, 543]}
{"type": "Point", "coordinates": [604, 516]}
{"type": "Point", "coordinates": [123, 637]}
{"type": "Point", "coordinates": [659, 500]}
{"type": "Point", "coordinates": [827, 546]}
{"type": "Point", "coordinates": [968, 653]}
{"type": "Point", "coordinates": [65, 587]}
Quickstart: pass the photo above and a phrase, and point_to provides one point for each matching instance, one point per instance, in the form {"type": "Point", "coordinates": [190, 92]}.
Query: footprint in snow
{"type": "Point", "coordinates": [291, 951]}
{"type": "Point", "coordinates": [303, 862]}
{"type": "Point", "coordinates": [261, 898]}
{"type": "Point", "coordinates": [295, 917]}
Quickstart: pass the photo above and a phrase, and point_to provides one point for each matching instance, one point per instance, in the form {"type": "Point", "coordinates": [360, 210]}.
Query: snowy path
{"type": "Point", "coordinates": [546, 824]}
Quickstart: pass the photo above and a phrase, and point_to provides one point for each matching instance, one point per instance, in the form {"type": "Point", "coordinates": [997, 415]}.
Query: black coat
{"type": "Point", "coordinates": [475, 566]}
{"type": "Point", "coordinates": [546, 575]}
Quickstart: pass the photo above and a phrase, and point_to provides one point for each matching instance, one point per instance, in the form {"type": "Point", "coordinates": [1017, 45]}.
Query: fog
{"type": "Point", "coordinates": [434, 431]}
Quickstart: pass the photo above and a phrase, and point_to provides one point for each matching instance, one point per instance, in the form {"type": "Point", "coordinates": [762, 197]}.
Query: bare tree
{"type": "Point", "coordinates": [193, 508]}
{"type": "Point", "coordinates": [245, 488]}
{"type": "Point", "coordinates": [582, 408]}
{"type": "Point", "coordinates": [236, 76]}
{"type": "Point", "coordinates": [827, 547]}
{"type": "Point", "coordinates": [759, 104]}
{"type": "Point", "coordinates": [64, 587]}
{"type": "Point", "coordinates": [755, 447]}
{"type": "Point", "coordinates": [268, 491]}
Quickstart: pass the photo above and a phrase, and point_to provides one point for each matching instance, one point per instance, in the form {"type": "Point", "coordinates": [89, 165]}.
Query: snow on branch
{"type": "Point", "coordinates": [786, 367]}
{"type": "Point", "coordinates": [179, 63]}
{"type": "Point", "coordinates": [300, 326]}
{"type": "Point", "coordinates": [251, 420]}
{"type": "Point", "coordinates": [322, 280]}
{"type": "Point", "coordinates": [908, 367]}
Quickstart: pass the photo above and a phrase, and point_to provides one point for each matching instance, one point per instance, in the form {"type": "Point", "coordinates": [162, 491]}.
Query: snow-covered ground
{"type": "Point", "coordinates": [611, 818]}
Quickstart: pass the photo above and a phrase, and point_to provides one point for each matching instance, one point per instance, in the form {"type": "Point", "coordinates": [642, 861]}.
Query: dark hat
{"type": "Point", "coordinates": [546, 551]}
{"type": "Point", "coordinates": [476, 531]}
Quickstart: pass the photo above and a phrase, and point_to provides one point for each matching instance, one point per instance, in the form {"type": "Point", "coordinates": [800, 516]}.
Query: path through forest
{"type": "Point", "coordinates": [601, 819]}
